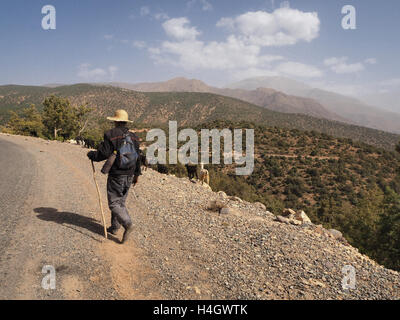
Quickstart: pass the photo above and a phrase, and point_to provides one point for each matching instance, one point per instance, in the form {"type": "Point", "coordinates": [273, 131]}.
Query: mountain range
{"type": "Point", "coordinates": [350, 108]}
{"type": "Point", "coordinates": [187, 108]}
{"type": "Point", "coordinates": [388, 100]}
{"type": "Point", "coordinates": [289, 96]}
{"type": "Point", "coordinates": [263, 97]}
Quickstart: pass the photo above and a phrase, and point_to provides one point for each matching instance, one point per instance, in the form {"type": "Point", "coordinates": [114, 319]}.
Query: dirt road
{"type": "Point", "coordinates": [178, 250]}
{"type": "Point", "coordinates": [50, 216]}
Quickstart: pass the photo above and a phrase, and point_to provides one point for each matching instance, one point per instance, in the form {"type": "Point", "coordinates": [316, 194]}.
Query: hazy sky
{"type": "Point", "coordinates": [217, 41]}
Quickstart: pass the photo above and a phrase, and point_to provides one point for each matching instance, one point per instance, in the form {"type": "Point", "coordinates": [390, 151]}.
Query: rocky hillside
{"type": "Point", "coordinates": [179, 84]}
{"type": "Point", "coordinates": [187, 108]}
{"type": "Point", "coordinates": [342, 184]}
{"type": "Point", "coordinates": [210, 245]}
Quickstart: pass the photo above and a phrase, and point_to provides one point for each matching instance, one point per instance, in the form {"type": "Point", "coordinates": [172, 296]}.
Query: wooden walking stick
{"type": "Point", "coordinates": [101, 204]}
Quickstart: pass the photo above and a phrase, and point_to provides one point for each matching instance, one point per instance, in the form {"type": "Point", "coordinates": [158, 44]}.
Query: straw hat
{"type": "Point", "coordinates": [120, 116]}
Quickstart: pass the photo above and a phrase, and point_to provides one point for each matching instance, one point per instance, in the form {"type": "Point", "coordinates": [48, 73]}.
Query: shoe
{"type": "Point", "coordinates": [127, 232]}
{"type": "Point", "coordinates": [112, 230]}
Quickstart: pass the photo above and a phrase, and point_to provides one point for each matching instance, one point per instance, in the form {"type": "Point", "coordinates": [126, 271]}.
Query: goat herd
{"type": "Point", "coordinates": [192, 169]}
{"type": "Point", "coordinates": [80, 141]}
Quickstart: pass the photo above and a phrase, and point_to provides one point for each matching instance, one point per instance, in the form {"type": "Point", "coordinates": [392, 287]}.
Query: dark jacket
{"type": "Point", "coordinates": [112, 142]}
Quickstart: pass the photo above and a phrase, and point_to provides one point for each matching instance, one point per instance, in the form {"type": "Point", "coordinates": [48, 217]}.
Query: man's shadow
{"type": "Point", "coordinates": [69, 219]}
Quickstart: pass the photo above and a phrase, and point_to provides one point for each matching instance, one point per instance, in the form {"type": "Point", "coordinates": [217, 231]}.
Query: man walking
{"type": "Point", "coordinates": [119, 180]}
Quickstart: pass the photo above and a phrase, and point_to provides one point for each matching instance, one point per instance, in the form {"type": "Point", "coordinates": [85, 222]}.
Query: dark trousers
{"type": "Point", "coordinates": [117, 192]}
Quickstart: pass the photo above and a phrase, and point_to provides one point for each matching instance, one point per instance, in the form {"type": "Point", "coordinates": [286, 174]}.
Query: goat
{"type": "Point", "coordinates": [143, 160]}
{"type": "Point", "coordinates": [89, 143]}
{"type": "Point", "coordinates": [80, 141]}
{"type": "Point", "coordinates": [191, 170]}
{"type": "Point", "coordinates": [204, 175]}
{"type": "Point", "coordinates": [162, 168]}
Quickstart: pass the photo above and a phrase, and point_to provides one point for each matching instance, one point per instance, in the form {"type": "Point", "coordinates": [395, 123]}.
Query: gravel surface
{"type": "Point", "coordinates": [179, 249]}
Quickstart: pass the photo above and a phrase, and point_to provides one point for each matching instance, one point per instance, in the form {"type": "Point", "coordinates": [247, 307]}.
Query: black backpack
{"type": "Point", "coordinates": [127, 154]}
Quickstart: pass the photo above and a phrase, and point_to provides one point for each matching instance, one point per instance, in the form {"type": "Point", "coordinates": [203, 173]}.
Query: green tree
{"type": "Point", "coordinates": [82, 117]}
{"type": "Point", "coordinates": [60, 116]}
{"type": "Point", "coordinates": [388, 239]}
{"type": "Point", "coordinates": [366, 219]}
{"type": "Point", "coordinates": [28, 122]}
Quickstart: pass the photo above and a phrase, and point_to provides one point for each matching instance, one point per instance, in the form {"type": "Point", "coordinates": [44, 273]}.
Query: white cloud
{"type": "Point", "coordinates": [370, 61]}
{"type": "Point", "coordinates": [108, 36]}
{"type": "Point", "coordinates": [284, 26]}
{"type": "Point", "coordinates": [161, 16]}
{"type": "Point", "coordinates": [348, 68]}
{"type": "Point", "coordinates": [297, 69]}
{"type": "Point", "coordinates": [359, 90]}
{"type": "Point", "coordinates": [334, 61]}
{"type": "Point", "coordinates": [154, 51]}
{"type": "Point", "coordinates": [86, 72]}
{"type": "Point", "coordinates": [395, 82]}
{"type": "Point", "coordinates": [139, 44]}
{"type": "Point", "coordinates": [178, 28]}
{"type": "Point", "coordinates": [228, 23]}
{"type": "Point", "coordinates": [346, 89]}
{"type": "Point", "coordinates": [252, 73]}
{"type": "Point", "coordinates": [112, 71]}
{"type": "Point", "coordinates": [206, 6]}
{"type": "Point", "coordinates": [242, 50]}
{"type": "Point", "coordinates": [340, 65]}
{"type": "Point", "coordinates": [232, 54]}
{"type": "Point", "coordinates": [144, 11]}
